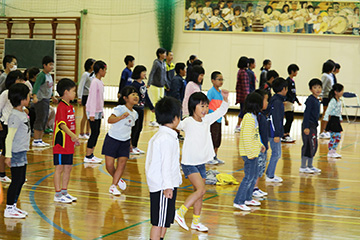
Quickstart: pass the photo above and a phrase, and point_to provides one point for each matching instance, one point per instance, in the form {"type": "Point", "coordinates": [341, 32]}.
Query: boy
{"type": "Point", "coordinates": [270, 76]}
{"type": "Point", "coordinates": [250, 72]}
{"type": "Point", "coordinates": [42, 92]}
{"type": "Point", "coordinates": [177, 86]}
{"type": "Point", "coordinates": [289, 102]}
{"type": "Point", "coordinates": [276, 129]}
{"type": "Point", "coordinates": [336, 71]}
{"type": "Point", "coordinates": [9, 64]}
{"type": "Point", "coordinates": [170, 69]}
{"type": "Point", "coordinates": [126, 74]}
{"type": "Point", "coordinates": [215, 99]}
{"type": "Point", "coordinates": [309, 128]}
{"type": "Point", "coordinates": [208, 11]}
{"type": "Point", "coordinates": [191, 13]}
{"type": "Point", "coordinates": [228, 13]}
{"type": "Point", "coordinates": [162, 167]}
{"type": "Point", "coordinates": [64, 140]}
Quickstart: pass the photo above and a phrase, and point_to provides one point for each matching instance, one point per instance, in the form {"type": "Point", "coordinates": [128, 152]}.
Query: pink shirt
{"type": "Point", "coordinates": [191, 88]}
{"type": "Point", "coordinates": [95, 101]}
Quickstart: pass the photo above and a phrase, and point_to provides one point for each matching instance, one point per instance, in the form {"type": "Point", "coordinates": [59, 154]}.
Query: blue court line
{"type": "Point", "coordinates": [41, 214]}
{"type": "Point", "coordinates": [339, 188]}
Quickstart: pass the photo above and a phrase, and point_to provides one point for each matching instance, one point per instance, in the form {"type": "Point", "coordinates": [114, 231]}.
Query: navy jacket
{"type": "Point", "coordinates": [276, 116]}
{"type": "Point", "coordinates": [263, 129]}
{"type": "Point", "coordinates": [143, 95]}
{"type": "Point", "coordinates": [312, 112]}
{"type": "Point", "coordinates": [251, 79]}
{"type": "Point", "coordinates": [177, 88]}
{"type": "Point", "coordinates": [291, 93]}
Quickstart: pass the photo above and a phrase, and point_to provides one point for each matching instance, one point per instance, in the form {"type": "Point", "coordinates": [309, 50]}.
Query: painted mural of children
{"type": "Point", "coordinates": [236, 23]}
{"type": "Point", "coordinates": [319, 26]}
{"type": "Point", "coordinates": [228, 14]}
{"type": "Point", "coordinates": [269, 21]}
{"type": "Point", "coordinates": [208, 12]}
{"type": "Point", "coordinates": [311, 20]}
{"type": "Point", "coordinates": [355, 21]}
{"type": "Point", "coordinates": [199, 18]}
{"type": "Point", "coordinates": [191, 14]}
{"type": "Point", "coordinates": [215, 20]}
{"type": "Point", "coordinates": [249, 15]}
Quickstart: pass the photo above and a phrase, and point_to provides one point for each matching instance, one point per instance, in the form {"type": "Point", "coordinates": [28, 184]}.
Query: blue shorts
{"type": "Point", "coordinates": [190, 169]}
{"type": "Point", "coordinates": [115, 148]}
{"type": "Point", "coordinates": [18, 159]}
{"type": "Point", "coordinates": [63, 159]}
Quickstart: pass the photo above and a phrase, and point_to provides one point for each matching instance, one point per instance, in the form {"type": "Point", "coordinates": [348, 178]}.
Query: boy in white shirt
{"type": "Point", "coordinates": [200, 18]}
{"type": "Point", "coordinates": [208, 12]}
{"type": "Point", "coordinates": [191, 13]}
{"type": "Point", "coordinates": [162, 166]}
{"type": "Point", "coordinates": [228, 13]}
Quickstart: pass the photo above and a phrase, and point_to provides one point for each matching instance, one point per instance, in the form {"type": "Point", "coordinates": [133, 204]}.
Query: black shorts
{"type": "Point", "coordinates": [215, 130]}
{"type": "Point", "coordinates": [115, 148]}
{"type": "Point", "coordinates": [63, 159]}
{"type": "Point", "coordinates": [162, 209]}
{"type": "Point", "coordinates": [84, 100]}
{"type": "Point", "coordinates": [325, 102]}
{"type": "Point", "coordinates": [3, 134]}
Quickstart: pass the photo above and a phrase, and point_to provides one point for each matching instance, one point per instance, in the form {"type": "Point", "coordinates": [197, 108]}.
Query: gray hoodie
{"type": "Point", "coordinates": [157, 75]}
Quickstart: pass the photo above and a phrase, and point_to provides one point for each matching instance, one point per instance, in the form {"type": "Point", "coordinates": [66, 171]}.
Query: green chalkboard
{"type": "Point", "coordinates": [29, 52]}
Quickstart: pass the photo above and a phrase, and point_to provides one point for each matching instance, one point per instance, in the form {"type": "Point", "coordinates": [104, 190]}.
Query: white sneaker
{"type": "Point", "coordinates": [306, 170]}
{"type": "Point", "coordinates": [122, 184]}
{"type": "Point", "coordinates": [273, 180]}
{"type": "Point", "coordinates": [242, 207]}
{"type": "Point", "coordinates": [181, 221]}
{"type": "Point", "coordinates": [139, 150]}
{"type": "Point", "coordinates": [331, 154]}
{"type": "Point", "coordinates": [62, 199]}
{"type": "Point", "coordinates": [253, 203]}
{"type": "Point", "coordinates": [114, 191]}
{"type": "Point", "coordinates": [12, 213]}
{"type": "Point", "coordinates": [328, 135]}
{"type": "Point", "coordinates": [336, 155]}
{"type": "Point", "coordinates": [20, 211]}
{"type": "Point", "coordinates": [237, 129]}
{"type": "Point", "coordinates": [68, 196]}
{"type": "Point", "coordinates": [212, 162]}
{"type": "Point", "coordinates": [289, 139]}
{"type": "Point", "coordinates": [324, 135]}
{"type": "Point", "coordinates": [39, 144]}
{"type": "Point", "coordinates": [92, 160]}
{"type": "Point", "coordinates": [85, 136]}
{"type": "Point", "coordinates": [5, 179]}
{"type": "Point", "coordinates": [279, 178]}
{"type": "Point", "coordinates": [134, 152]}
{"type": "Point", "coordinates": [316, 170]}
{"type": "Point", "coordinates": [262, 192]}
{"type": "Point", "coordinates": [154, 124]}
{"type": "Point", "coordinates": [257, 194]}
{"type": "Point", "coordinates": [45, 144]}
{"type": "Point", "coordinates": [200, 227]}
{"type": "Point", "coordinates": [219, 161]}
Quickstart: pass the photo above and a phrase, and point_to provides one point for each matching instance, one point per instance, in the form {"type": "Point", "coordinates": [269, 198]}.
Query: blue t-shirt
{"type": "Point", "coordinates": [121, 130]}
{"type": "Point", "coordinates": [215, 100]}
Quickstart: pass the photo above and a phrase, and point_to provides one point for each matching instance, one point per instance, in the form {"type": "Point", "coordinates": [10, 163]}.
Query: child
{"type": "Point", "coordinates": [208, 12]}
{"type": "Point", "coordinates": [95, 110]}
{"type": "Point", "coordinates": [195, 81]}
{"type": "Point", "coordinates": [126, 75]}
{"type": "Point", "coordinates": [64, 140]}
{"type": "Point", "coordinates": [170, 69]}
{"type": "Point", "coordinates": [242, 88]}
{"type": "Point", "coordinates": [289, 102]}
{"type": "Point", "coordinates": [199, 18]}
{"type": "Point", "coordinates": [309, 128]}
{"type": "Point", "coordinates": [197, 150]}
{"type": "Point", "coordinates": [177, 87]}
{"type": "Point", "coordinates": [336, 71]}
{"type": "Point", "coordinates": [276, 116]}
{"type": "Point", "coordinates": [333, 117]}
{"type": "Point", "coordinates": [42, 92]}
{"type": "Point", "coordinates": [216, 20]}
{"type": "Point", "coordinates": [10, 64]}
{"type": "Point", "coordinates": [83, 93]}
{"type": "Point", "coordinates": [270, 77]}
{"type": "Point", "coordinates": [139, 75]}
{"type": "Point", "coordinates": [264, 69]}
{"type": "Point", "coordinates": [215, 100]}
{"type": "Point", "coordinates": [162, 167]}
{"type": "Point", "coordinates": [327, 83]}
{"type": "Point", "coordinates": [250, 148]}
{"type": "Point", "coordinates": [117, 140]}
{"type": "Point", "coordinates": [17, 143]}
{"type": "Point", "coordinates": [264, 136]}
{"type": "Point", "coordinates": [251, 74]}
{"type": "Point", "coordinates": [157, 80]}
{"type": "Point", "coordinates": [250, 16]}
{"type": "Point", "coordinates": [33, 72]}
{"type": "Point", "coordinates": [191, 13]}
{"type": "Point", "coordinates": [5, 110]}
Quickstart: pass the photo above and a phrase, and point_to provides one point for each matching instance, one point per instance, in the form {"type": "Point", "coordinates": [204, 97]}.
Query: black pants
{"type": "Point", "coordinates": [310, 142]}
{"type": "Point", "coordinates": [18, 175]}
{"type": "Point", "coordinates": [137, 128]}
{"type": "Point", "coordinates": [95, 132]}
{"type": "Point", "coordinates": [32, 117]}
{"type": "Point", "coordinates": [289, 116]}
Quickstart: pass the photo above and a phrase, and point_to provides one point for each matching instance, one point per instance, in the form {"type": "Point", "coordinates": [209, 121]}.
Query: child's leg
{"type": "Point", "coordinates": [337, 137]}
{"type": "Point", "coordinates": [245, 184]}
{"type": "Point", "coordinates": [199, 190]}
{"type": "Point", "coordinates": [289, 116]}
{"type": "Point", "coordinates": [109, 161]}
{"type": "Point", "coordinates": [254, 173]}
{"type": "Point", "coordinates": [119, 169]}
{"type": "Point", "coordinates": [66, 176]}
{"type": "Point", "coordinates": [157, 232]}
{"type": "Point", "coordinates": [198, 203]}
{"type": "Point", "coordinates": [16, 184]}
{"type": "Point", "coordinates": [83, 122]}
{"type": "Point", "coordinates": [59, 169]}
{"type": "Point", "coordinates": [22, 177]}
{"type": "Point", "coordinates": [137, 128]}
{"type": "Point", "coordinates": [95, 132]}
{"type": "Point", "coordinates": [261, 167]}
{"type": "Point", "coordinates": [2, 166]}
{"type": "Point", "coordinates": [323, 123]}
{"type": "Point", "coordinates": [163, 232]}
{"type": "Point", "coordinates": [42, 115]}
{"type": "Point", "coordinates": [331, 141]}
{"type": "Point", "coordinates": [275, 156]}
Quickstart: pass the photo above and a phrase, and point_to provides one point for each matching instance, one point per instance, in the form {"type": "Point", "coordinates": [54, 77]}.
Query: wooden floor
{"type": "Point", "coordinates": [324, 206]}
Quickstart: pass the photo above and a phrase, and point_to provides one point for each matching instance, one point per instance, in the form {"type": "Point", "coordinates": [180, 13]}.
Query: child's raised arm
{"type": "Point", "coordinates": [114, 119]}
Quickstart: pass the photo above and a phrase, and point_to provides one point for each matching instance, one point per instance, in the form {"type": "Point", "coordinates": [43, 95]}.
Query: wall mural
{"type": "Point", "coordinates": [297, 17]}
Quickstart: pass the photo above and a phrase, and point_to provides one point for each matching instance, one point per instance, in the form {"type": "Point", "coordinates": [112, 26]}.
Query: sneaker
{"type": "Point", "coordinates": [328, 135]}
{"type": "Point", "coordinates": [336, 155]}
{"type": "Point", "coordinates": [154, 124]}
{"type": "Point", "coordinates": [114, 191]}
{"type": "Point", "coordinates": [237, 129]}
{"type": "Point", "coordinates": [84, 136]}
{"type": "Point", "coordinates": [212, 162]}
{"type": "Point", "coordinates": [134, 152]}
{"type": "Point", "coordinates": [273, 180]}
{"type": "Point", "coordinates": [242, 207]}
{"type": "Point", "coordinates": [257, 194]}
{"type": "Point", "coordinates": [315, 170]}
{"type": "Point", "coordinates": [5, 179]}
{"type": "Point", "coordinates": [92, 160]}
{"type": "Point", "coordinates": [287, 139]}
{"type": "Point", "coordinates": [278, 178]}
{"type": "Point", "coordinates": [331, 154]}
{"type": "Point", "coordinates": [306, 170]}
{"type": "Point", "coordinates": [139, 151]}
{"type": "Point", "coordinates": [324, 135]}
{"type": "Point", "coordinates": [122, 184]}
{"type": "Point", "coordinates": [219, 161]}
{"type": "Point", "coordinates": [20, 211]}
{"type": "Point", "coordinates": [200, 227]}
{"type": "Point", "coordinates": [68, 196]}
{"type": "Point", "coordinates": [11, 213]}
{"type": "Point", "coordinates": [253, 203]}
{"type": "Point", "coordinates": [45, 144]}
{"type": "Point", "coordinates": [62, 199]}
{"type": "Point", "coordinates": [39, 144]}
{"type": "Point", "coordinates": [262, 192]}
{"type": "Point", "coordinates": [181, 221]}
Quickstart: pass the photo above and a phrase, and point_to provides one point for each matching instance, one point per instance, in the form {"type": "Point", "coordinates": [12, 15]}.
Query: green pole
{"type": "Point", "coordinates": [82, 12]}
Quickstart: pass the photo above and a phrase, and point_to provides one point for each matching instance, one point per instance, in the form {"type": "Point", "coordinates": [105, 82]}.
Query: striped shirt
{"type": "Point", "coordinates": [250, 143]}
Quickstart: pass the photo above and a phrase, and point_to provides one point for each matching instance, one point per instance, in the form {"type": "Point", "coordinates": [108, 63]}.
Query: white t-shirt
{"type": "Point", "coordinates": [121, 130]}
{"type": "Point", "coordinates": [201, 24]}
{"type": "Point", "coordinates": [192, 15]}
{"type": "Point", "coordinates": [208, 11]}
{"type": "Point", "coordinates": [229, 16]}
{"type": "Point", "coordinates": [198, 147]}
{"type": "Point", "coordinates": [5, 106]}
{"type": "Point", "coordinates": [214, 20]}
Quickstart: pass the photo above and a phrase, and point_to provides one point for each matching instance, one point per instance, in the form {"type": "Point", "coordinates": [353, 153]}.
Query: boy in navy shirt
{"type": "Point", "coordinates": [126, 74]}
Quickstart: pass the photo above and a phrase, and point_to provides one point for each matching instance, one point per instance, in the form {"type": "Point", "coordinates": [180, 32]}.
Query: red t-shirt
{"type": "Point", "coordinates": [65, 114]}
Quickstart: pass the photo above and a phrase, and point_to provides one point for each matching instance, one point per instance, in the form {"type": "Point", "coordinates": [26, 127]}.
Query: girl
{"type": "Point", "coordinates": [83, 92]}
{"type": "Point", "coordinates": [250, 148]}
{"type": "Point", "coordinates": [95, 109]}
{"type": "Point", "coordinates": [242, 88]}
{"type": "Point", "coordinates": [117, 141]}
{"type": "Point", "coordinates": [139, 75]}
{"type": "Point", "coordinates": [195, 81]}
{"type": "Point", "coordinates": [264, 69]}
{"type": "Point", "coordinates": [327, 83]}
{"type": "Point", "coordinates": [333, 117]}
{"type": "Point", "coordinates": [197, 150]}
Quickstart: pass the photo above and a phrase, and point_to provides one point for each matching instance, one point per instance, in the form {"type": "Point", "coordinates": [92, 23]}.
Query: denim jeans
{"type": "Point", "coordinates": [262, 160]}
{"type": "Point", "coordinates": [246, 188]}
{"type": "Point", "coordinates": [275, 156]}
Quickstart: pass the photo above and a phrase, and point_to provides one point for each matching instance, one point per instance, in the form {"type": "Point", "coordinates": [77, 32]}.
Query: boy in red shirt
{"type": "Point", "coordinates": [64, 140]}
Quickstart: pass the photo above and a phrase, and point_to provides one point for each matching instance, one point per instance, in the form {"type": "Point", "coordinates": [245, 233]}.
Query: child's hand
{"type": "Point", "coordinates": [35, 99]}
{"type": "Point", "coordinates": [263, 148]}
{"type": "Point", "coordinates": [54, 100]}
{"type": "Point", "coordinates": [226, 122]}
{"type": "Point", "coordinates": [76, 140]}
{"type": "Point", "coordinates": [26, 111]}
{"type": "Point", "coordinates": [277, 139]}
{"type": "Point", "coordinates": [1, 127]}
{"type": "Point", "coordinates": [225, 94]}
{"type": "Point", "coordinates": [79, 101]}
{"type": "Point", "coordinates": [124, 116]}
{"type": "Point", "coordinates": [92, 119]}
{"type": "Point", "coordinates": [8, 162]}
{"type": "Point", "coordinates": [307, 131]}
{"type": "Point", "coordinates": [168, 193]}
